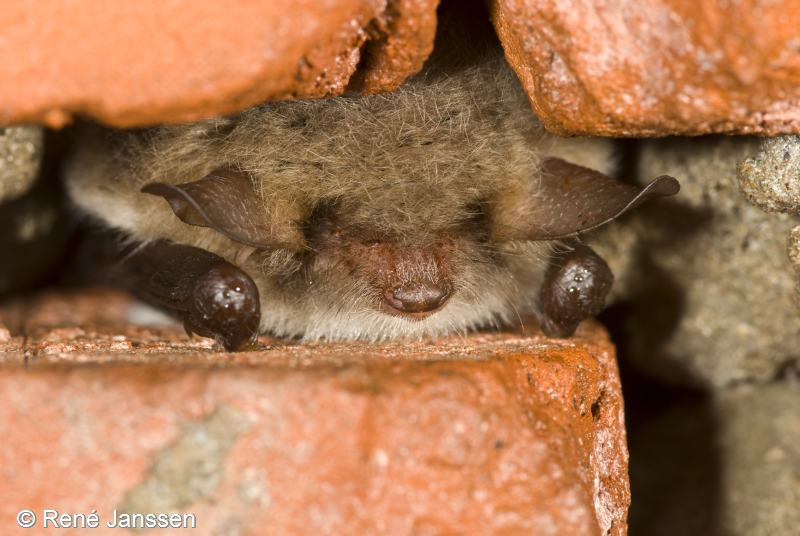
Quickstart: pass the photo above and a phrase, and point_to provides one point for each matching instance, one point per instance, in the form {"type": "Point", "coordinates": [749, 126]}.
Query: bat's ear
{"type": "Point", "coordinates": [226, 201]}
{"type": "Point", "coordinates": [570, 199]}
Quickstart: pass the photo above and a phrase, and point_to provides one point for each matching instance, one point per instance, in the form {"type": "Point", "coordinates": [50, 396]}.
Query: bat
{"type": "Point", "coordinates": [438, 208]}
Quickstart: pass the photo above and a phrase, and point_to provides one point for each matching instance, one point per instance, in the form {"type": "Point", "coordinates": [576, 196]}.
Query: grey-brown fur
{"type": "Point", "coordinates": [407, 165]}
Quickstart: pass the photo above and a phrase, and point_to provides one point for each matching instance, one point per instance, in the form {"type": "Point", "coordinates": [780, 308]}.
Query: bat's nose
{"type": "Point", "coordinates": [418, 298]}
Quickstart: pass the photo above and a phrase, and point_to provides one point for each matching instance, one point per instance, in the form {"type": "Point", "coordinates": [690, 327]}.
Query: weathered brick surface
{"type": "Point", "coordinates": [656, 67]}
{"type": "Point", "coordinates": [507, 433]}
{"type": "Point", "coordinates": [601, 67]}
{"type": "Point", "coordinates": [133, 63]}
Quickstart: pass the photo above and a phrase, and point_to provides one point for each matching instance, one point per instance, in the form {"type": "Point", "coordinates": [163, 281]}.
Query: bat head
{"type": "Point", "coordinates": [408, 272]}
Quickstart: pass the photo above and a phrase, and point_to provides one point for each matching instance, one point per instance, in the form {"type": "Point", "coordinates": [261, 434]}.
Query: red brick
{"type": "Point", "coordinates": [134, 63]}
{"type": "Point", "coordinates": [630, 68]}
{"type": "Point", "coordinates": [656, 67]}
{"type": "Point", "coordinates": [506, 433]}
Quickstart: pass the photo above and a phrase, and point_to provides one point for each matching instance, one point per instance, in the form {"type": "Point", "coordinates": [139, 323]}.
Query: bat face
{"type": "Point", "coordinates": [430, 210]}
{"type": "Point", "coordinates": [364, 284]}
{"type": "Point", "coordinates": [338, 272]}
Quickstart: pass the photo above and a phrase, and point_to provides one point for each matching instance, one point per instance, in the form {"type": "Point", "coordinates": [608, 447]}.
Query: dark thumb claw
{"type": "Point", "coordinates": [575, 288]}
{"type": "Point", "coordinates": [225, 304]}
{"type": "Point", "coordinates": [211, 296]}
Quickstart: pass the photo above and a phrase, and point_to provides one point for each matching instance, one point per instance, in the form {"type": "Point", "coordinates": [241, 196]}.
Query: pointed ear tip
{"type": "Point", "coordinates": [665, 185]}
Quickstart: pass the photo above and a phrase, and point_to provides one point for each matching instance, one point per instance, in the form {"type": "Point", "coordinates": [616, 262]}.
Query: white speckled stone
{"type": "Point", "coordinates": [20, 159]}
{"type": "Point", "coordinates": [704, 277]}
